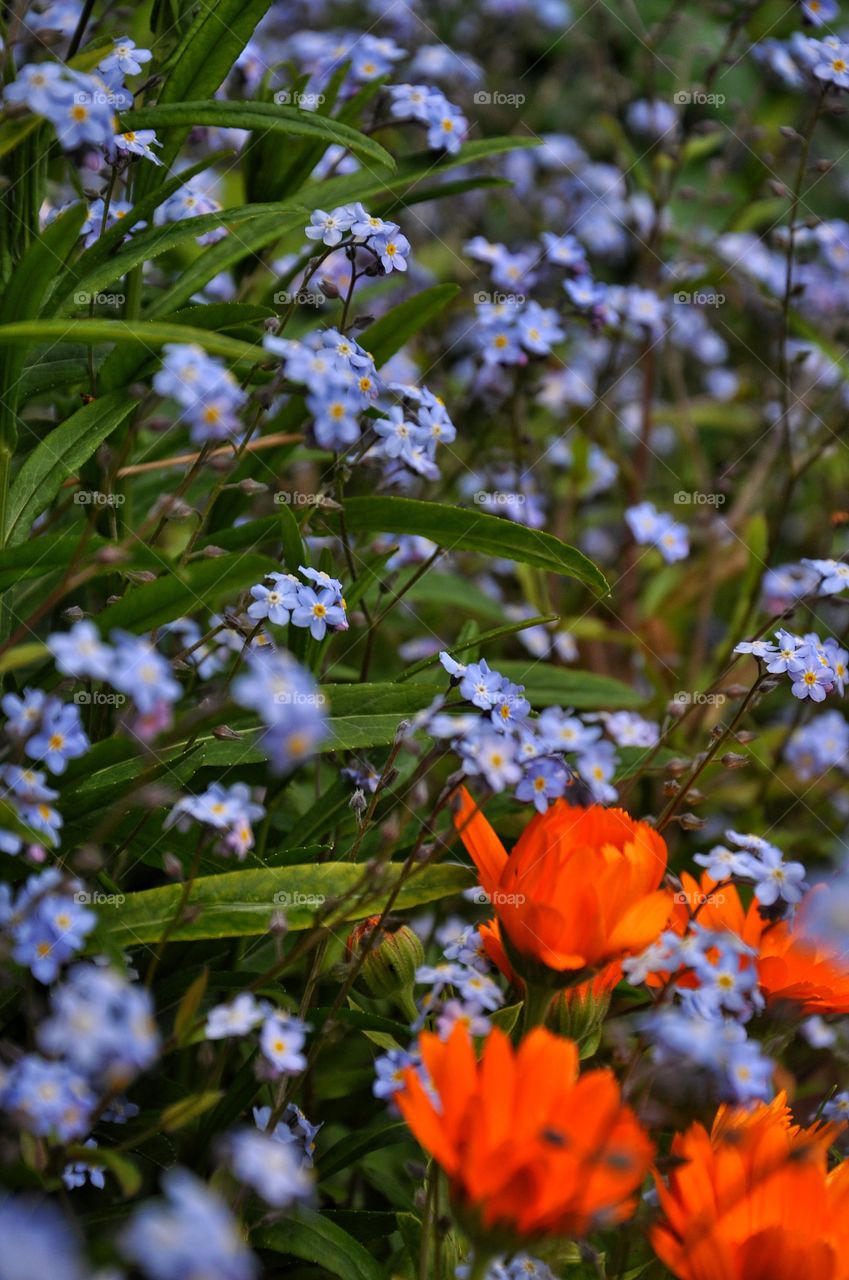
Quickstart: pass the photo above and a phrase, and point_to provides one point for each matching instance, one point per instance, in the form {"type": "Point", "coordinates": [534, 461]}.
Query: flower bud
{"type": "Point", "coordinates": [390, 965]}
{"type": "Point", "coordinates": [579, 1012]}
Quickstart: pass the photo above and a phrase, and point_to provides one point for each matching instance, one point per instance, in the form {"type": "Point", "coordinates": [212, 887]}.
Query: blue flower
{"type": "Point", "coordinates": [282, 1041]}
{"type": "Point", "coordinates": [481, 686]}
{"type": "Point", "coordinates": [191, 1232]}
{"type": "Point", "coordinates": [101, 1025]}
{"type": "Point", "coordinates": [330, 227]}
{"type": "Point", "coordinates": [45, 1241]}
{"type": "Point", "coordinates": [271, 1168]}
{"type": "Point", "coordinates": [318, 610]}
{"type": "Point", "coordinates": [59, 738]}
{"type": "Point", "coordinates": [391, 248]}
{"type": "Point", "coordinates": [24, 712]}
{"type": "Point", "coordinates": [125, 57]}
{"type": "Point", "coordinates": [543, 781]}
{"type": "Point", "coordinates": [389, 1070]}
{"type": "Point", "coordinates": [235, 1019]}
{"type": "Point", "coordinates": [50, 923]}
{"type": "Point", "coordinates": [48, 1098]}
{"type": "Point", "coordinates": [81, 652]}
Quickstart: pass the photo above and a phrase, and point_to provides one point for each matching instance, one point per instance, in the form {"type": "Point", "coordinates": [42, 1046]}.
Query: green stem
{"type": "Point", "coordinates": [537, 1003]}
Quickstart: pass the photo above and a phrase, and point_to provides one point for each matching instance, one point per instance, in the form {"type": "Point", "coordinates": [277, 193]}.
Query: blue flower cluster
{"type": "Point", "coordinates": [814, 667]}
{"type": "Point", "coordinates": [80, 107]}
{"type": "Point", "coordinates": [705, 1024]}
{"type": "Point", "coordinates": [342, 385]}
{"type": "Point", "coordinates": [209, 396]}
{"type": "Point", "coordinates": [758, 862]}
{"type": "Point", "coordinates": [507, 748]}
{"type": "Point", "coordinates": [657, 529]}
{"type": "Point", "coordinates": [289, 703]}
{"type": "Point", "coordinates": [281, 1039]}
{"type": "Point", "coordinates": [130, 664]}
{"type": "Point", "coordinates": [317, 606]}
{"type": "Point", "coordinates": [46, 922]}
{"type": "Point", "coordinates": [228, 811]}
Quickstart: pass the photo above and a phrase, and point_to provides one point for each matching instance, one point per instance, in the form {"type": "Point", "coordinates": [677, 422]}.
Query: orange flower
{"type": "Point", "coordinates": [794, 967]}
{"type": "Point", "coordinates": [578, 890]}
{"type": "Point", "coordinates": [791, 965]}
{"type": "Point", "coordinates": [530, 1149]}
{"type": "Point", "coordinates": [754, 1201]}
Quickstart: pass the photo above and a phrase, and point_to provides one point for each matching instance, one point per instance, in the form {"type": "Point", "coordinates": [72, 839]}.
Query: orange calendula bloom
{"type": "Point", "coordinates": [791, 965]}
{"type": "Point", "coordinates": [529, 1147]}
{"type": "Point", "coordinates": [754, 1200]}
{"type": "Point", "coordinates": [579, 889]}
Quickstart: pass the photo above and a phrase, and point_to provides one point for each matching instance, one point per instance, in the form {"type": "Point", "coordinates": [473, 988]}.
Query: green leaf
{"type": "Point", "coordinates": [388, 334]}
{"type": "Point", "coordinates": [308, 1235]}
{"type": "Point", "coordinates": [149, 334]}
{"type": "Point", "coordinates": [456, 529]}
{"type": "Point", "coordinates": [258, 115]}
{"type": "Point", "coordinates": [203, 59]}
{"type": "Point", "coordinates": [262, 225]}
{"type": "Point", "coordinates": [547, 686]}
{"type": "Point", "coordinates": [22, 299]}
{"type": "Point", "coordinates": [242, 903]}
{"type": "Point", "coordinates": [181, 1113]}
{"type": "Point", "coordinates": [113, 237]}
{"type": "Point", "coordinates": [345, 1152]}
{"type": "Point", "coordinates": [201, 585]}
{"type": "Point", "coordinates": [189, 1006]}
{"type": "Point", "coordinates": [396, 699]}
{"type": "Point", "coordinates": [476, 638]}
{"type": "Point", "coordinates": [357, 733]}
{"type": "Point", "coordinates": [58, 456]}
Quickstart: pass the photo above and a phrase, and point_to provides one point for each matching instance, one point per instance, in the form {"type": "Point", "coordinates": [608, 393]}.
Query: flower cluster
{"type": "Point", "coordinates": [209, 396]}
{"type": "Point", "coordinates": [316, 605]}
{"type": "Point", "coordinates": [814, 667]}
{"type": "Point", "coordinates": [507, 748]}
{"type": "Point", "coordinates": [227, 811]}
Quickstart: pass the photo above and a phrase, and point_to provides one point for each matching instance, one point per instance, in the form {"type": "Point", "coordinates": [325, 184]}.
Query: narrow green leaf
{"type": "Point", "coordinates": [388, 334]}
{"type": "Point", "coordinates": [457, 529]}
{"type": "Point", "coordinates": [475, 639]}
{"type": "Point", "coordinates": [308, 1235]}
{"type": "Point", "coordinates": [242, 903]}
{"type": "Point", "coordinates": [269, 116]}
{"type": "Point", "coordinates": [58, 456]}
{"type": "Point", "coordinates": [548, 686]}
{"type": "Point", "coordinates": [179, 1114]}
{"type": "Point", "coordinates": [201, 585]}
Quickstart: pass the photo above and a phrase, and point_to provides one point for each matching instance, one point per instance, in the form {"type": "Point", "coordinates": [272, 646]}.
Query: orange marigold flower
{"type": "Point", "coordinates": [791, 965]}
{"type": "Point", "coordinates": [753, 1200]}
{"type": "Point", "coordinates": [579, 889]}
{"type": "Point", "coordinates": [529, 1147]}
